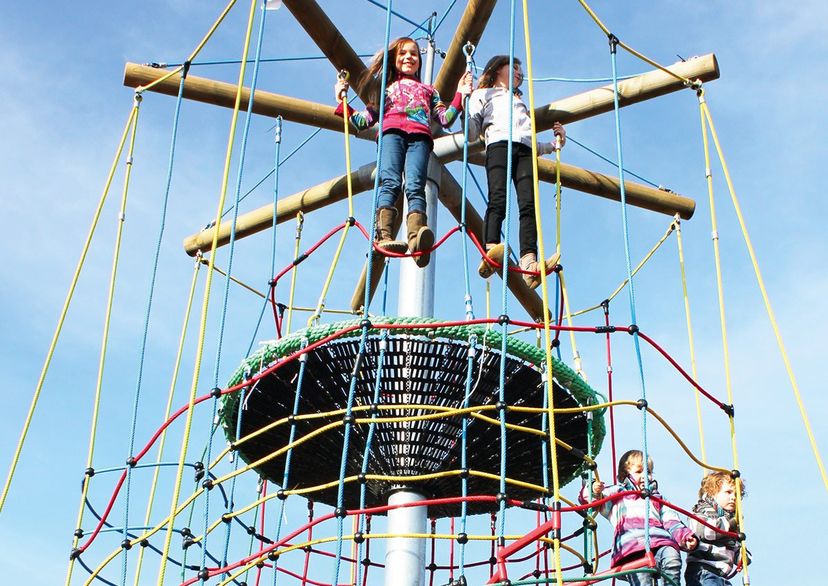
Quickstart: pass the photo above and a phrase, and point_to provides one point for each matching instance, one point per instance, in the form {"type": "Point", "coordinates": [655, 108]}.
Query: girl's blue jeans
{"type": "Point", "coordinates": [668, 562]}
{"type": "Point", "coordinates": [697, 575]}
{"type": "Point", "coordinates": [409, 152]}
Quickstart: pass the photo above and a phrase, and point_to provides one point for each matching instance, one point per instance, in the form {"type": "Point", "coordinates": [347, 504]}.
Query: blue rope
{"type": "Point", "coordinates": [467, 298]}
{"type": "Point", "coordinates": [608, 160]}
{"type": "Point", "coordinates": [148, 312]}
{"type": "Point", "coordinates": [375, 400]}
{"type": "Point", "coordinates": [226, 293]}
{"type": "Point", "coordinates": [400, 16]}
{"type": "Point", "coordinates": [505, 269]}
{"type": "Point", "coordinates": [442, 18]}
{"type": "Point", "coordinates": [367, 298]}
{"type": "Point", "coordinates": [464, 481]}
{"type": "Point", "coordinates": [631, 289]}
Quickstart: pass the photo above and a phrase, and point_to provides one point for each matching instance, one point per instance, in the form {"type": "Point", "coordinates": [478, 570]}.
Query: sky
{"type": "Point", "coordinates": [64, 108]}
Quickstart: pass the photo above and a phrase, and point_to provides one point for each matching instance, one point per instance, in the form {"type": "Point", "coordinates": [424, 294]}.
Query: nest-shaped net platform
{"type": "Point", "coordinates": [423, 372]}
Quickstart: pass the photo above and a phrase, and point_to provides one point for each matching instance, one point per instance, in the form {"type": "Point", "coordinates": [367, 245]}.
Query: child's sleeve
{"type": "Point", "coordinates": [672, 523]}
{"type": "Point", "coordinates": [708, 513]}
{"type": "Point", "coordinates": [476, 106]}
{"type": "Point", "coordinates": [361, 120]}
{"type": "Point", "coordinates": [442, 114]}
{"type": "Point", "coordinates": [585, 496]}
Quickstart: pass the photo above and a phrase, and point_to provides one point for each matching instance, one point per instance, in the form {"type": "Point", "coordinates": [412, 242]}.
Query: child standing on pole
{"type": "Point", "coordinates": [410, 105]}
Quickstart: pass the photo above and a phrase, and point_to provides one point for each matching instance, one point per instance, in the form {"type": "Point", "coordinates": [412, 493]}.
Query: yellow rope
{"type": "Point", "coordinates": [644, 58]}
{"type": "Point", "coordinates": [553, 449]}
{"type": "Point", "coordinates": [320, 306]}
{"type": "Point", "coordinates": [765, 298]}
{"type": "Point", "coordinates": [167, 411]}
{"type": "Point", "coordinates": [206, 302]}
{"type": "Point", "coordinates": [105, 334]}
{"type": "Point", "coordinates": [697, 394]}
{"type": "Point", "coordinates": [75, 278]}
{"type": "Point", "coordinates": [300, 222]}
{"type": "Point", "coordinates": [638, 267]}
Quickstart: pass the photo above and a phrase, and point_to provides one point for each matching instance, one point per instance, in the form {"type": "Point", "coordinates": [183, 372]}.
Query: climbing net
{"type": "Point", "coordinates": [480, 416]}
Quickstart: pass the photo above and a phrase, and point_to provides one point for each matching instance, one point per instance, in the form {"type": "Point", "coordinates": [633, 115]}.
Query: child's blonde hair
{"type": "Point", "coordinates": [632, 457]}
{"type": "Point", "coordinates": [713, 482]}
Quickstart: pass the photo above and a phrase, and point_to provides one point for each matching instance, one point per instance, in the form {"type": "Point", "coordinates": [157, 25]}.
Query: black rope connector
{"type": "Point", "coordinates": [502, 497]}
{"type": "Point", "coordinates": [131, 462]}
{"type": "Point", "coordinates": [501, 406]}
{"type": "Point", "coordinates": [291, 418]}
{"type": "Point", "coordinates": [75, 553]}
{"type": "Point", "coordinates": [729, 409]}
{"type": "Point", "coordinates": [350, 221]}
{"type": "Point", "coordinates": [613, 41]}
{"type": "Point", "coordinates": [226, 517]}
{"type": "Point", "coordinates": [280, 494]}
{"type": "Point", "coordinates": [533, 506]}
{"type": "Point", "coordinates": [185, 532]}
{"type": "Point", "coordinates": [432, 567]}
{"type": "Point", "coordinates": [632, 329]}
{"type": "Point", "coordinates": [199, 470]}
{"type": "Point", "coordinates": [272, 555]}
{"type": "Point", "coordinates": [126, 544]}
{"type": "Point", "coordinates": [144, 543]}
{"type": "Point", "coordinates": [250, 530]}
{"type": "Point", "coordinates": [493, 561]}
{"type": "Point", "coordinates": [590, 524]}
{"type": "Point", "coordinates": [233, 446]}
{"type": "Point", "coordinates": [300, 258]}
{"type": "Point", "coordinates": [208, 484]}
{"type": "Point", "coordinates": [605, 329]}
{"type": "Point", "coordinates": [366, 323]}
{"type": "Point", "coordinates": [340, 512]}
{"type": "Point", "coordinates": [215, 392]}
{"type": "Point", "coordinates": [464, 472]}
{"type": "Point", "coordinates": [734, 474]}
{"type": "Point", "coordinates": [349, 419]}
{"type": "Point", "coordinates": [374, 411]}
{"type": "Point", "coordinates": [587, 568]}
{"type": "Point", "coordinates": [462, 538]}
{"type": "Point", "coordinates": [204, 574]}
{"type": "Point", "coordinates": [260, 564]}
{"type": "Point", "coordinates": [365, 562]}
{"type": "Point", "coordinates": [90, 472]}
{"type": "Point", "coordinates": [555, 342]}
{"type": "Point", "coordinates": [362, 478]}
{"type": "Point", "coordinates": [78, 533]}
{"type": "Point", "coordinates": [359, 537]}
{"type": "Point", "coordinates": [605, 305]}
{"type": "Point", "coordinates": [185, 69]}
{"type": "Point", "coordinates": [503, 319]}
{"type": "Point", "coordinates": [641, 404]}
{"type": "Point", "coordinates": [742, 536]}
{"type": "Point", "coordinates": [188, 541]}
{"type": "Point", "coordinates": [271, 283]}
{"type": "Point", "coordinates": [536, 574]}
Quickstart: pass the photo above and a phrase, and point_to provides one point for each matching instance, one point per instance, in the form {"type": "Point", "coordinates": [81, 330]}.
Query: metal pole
{"type": "Point", "coordinates": [405, 556]}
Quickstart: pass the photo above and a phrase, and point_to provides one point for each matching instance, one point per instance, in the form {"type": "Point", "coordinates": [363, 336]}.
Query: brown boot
{"type": "Point", "coordinates": [529, 262]}
{"type": "Point", "coordinates": [494, 252]}
{"type": "Point", "coordinates": [386, 231]}
{"type": "Point", "coordinates": [420, 237]}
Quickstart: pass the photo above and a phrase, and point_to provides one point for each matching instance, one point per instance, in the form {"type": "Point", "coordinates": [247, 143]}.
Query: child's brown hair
{"type": "Point", "coordinates": [713, 482]}
{"type": "Point", "coordinates": [373, 74]}
{"type": "Point", "coordinates": [487, 78]}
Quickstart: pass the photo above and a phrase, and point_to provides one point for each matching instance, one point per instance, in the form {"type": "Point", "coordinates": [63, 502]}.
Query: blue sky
{"type": "Point", "coordinates": [64, 108]}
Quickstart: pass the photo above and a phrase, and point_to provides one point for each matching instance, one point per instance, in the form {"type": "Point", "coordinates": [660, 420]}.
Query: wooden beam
{"type": "Point", "coordinates": [631, 91]}
{"type": "Point", "coordinates": [470, 29]}
{"type": "Point", "coordinates": [594, 183]}
{"type": "Point", "coordinates": [313, 198]}
{"type": "Point", "coordinates": [326, 36]}
{"type": "Point", "coordinates": [224, 94]}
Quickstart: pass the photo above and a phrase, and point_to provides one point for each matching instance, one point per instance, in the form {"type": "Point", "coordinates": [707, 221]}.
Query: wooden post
{"type": "Point", "coordinates": [313, 198]}
{"type": "Point", "coordinates": [469, 29]}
